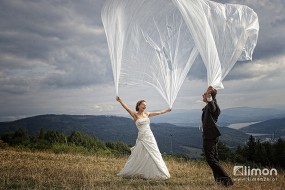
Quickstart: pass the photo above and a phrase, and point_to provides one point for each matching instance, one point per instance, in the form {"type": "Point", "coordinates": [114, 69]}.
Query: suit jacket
{"type": "Point", "coordinates": [210, 116]}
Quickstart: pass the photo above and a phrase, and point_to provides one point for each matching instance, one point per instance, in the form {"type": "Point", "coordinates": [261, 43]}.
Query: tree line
{"type": "Point", "coordinates": [255, 153]}
{"type": "Point", "coordinates": [62, 143]}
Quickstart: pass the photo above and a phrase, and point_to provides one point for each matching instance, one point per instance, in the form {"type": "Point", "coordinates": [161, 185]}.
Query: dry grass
{"type": "Point", "coordinates": [44, 170]}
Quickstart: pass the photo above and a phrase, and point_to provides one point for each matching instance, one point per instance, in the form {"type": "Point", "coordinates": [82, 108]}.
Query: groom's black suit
{"type": "Point", "coordinates": [211, 135]}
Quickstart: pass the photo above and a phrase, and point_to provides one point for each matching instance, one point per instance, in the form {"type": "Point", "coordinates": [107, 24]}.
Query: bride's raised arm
{"type": "Point", "coordinates": [150, 114]}
{"type": "Point", "coordinates": [126, 107]}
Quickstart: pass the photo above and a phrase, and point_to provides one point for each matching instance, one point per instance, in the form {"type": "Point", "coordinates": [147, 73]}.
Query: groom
{"type": "Point", "coordinates": [211, 135]}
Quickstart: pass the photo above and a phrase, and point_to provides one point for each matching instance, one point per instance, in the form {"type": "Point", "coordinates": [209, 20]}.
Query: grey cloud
{"type": "Point", "coordinates": [278, 22]}
{"type": "Point", "coordinates": [198, 70]}
{"type": "Point", "coordinates": [65, 38]}
{"type": "Point", "coordinates": [240, 71]}
{"type": "Point", "coordinates": [15, 85]}
{"type": "Point", "coordinates": [76, 70]}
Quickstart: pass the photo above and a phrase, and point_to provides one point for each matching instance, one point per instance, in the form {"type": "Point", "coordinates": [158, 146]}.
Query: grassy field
{"type": "Point", "coordinates": [44, 170]}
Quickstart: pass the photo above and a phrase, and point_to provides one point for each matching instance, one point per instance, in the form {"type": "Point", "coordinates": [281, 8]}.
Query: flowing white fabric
{"type": "Point", "coordinates": [223, 34]}
{"type": "Point", "coordinates": [145, 160]}
{"type": "Point", "coordinates": [155, 42]}
{"type": "Point", "coordinates": [149, 43]}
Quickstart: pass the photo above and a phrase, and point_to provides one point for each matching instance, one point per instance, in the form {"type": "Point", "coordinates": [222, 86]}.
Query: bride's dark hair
{"type": "Point", "coordinates": [138, 104]}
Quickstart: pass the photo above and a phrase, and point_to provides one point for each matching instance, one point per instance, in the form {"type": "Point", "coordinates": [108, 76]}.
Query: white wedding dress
{"type": "Point", "coordinates": [145, 160]}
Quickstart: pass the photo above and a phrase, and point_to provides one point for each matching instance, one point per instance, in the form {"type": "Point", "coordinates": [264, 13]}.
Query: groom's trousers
{"type": "Point", "coordinates": [211, 154]}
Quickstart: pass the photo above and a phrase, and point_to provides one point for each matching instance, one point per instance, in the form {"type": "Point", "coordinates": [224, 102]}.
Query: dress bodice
{"type": "Point", "coordinates": [143, 124]}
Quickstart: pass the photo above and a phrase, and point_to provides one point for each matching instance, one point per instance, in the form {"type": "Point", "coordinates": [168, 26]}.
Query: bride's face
{"type": "Point", "coordinates": [142, 106]}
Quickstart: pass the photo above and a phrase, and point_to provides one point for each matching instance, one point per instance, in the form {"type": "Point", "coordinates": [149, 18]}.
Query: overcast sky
{"type": "Point", "coordinates": [54, 59]}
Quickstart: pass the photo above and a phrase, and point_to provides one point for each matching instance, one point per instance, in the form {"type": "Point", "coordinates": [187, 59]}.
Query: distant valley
{"type": "Point", "coordinates": [184, 139]}
{"type": "Point", "coordinates": [228, 116]}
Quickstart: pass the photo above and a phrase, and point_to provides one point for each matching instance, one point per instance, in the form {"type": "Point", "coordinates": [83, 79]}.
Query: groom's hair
{"type": "Point", "coordinates": [213, 92]}
{"type": "Point", "coordinates": [138, 104]}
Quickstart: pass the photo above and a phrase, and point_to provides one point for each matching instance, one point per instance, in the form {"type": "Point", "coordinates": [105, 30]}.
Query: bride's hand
{"type": "Point", "coordinates": [118, 98]}
{"type": "Point", "coordinates": [169, 109]}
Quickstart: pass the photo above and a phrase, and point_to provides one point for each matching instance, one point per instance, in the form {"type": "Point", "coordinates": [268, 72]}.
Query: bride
{"type": "Point", "coordinates": [145, 160]}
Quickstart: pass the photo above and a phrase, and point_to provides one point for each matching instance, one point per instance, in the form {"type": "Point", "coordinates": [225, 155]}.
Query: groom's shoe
{"type": "Point", "coordinates": [228, 182]}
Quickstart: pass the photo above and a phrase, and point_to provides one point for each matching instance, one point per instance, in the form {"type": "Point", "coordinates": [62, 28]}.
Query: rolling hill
{"type": "Point", "coordinates": [113, 128]}
{"type": "Point", "coordinates": [272, 126]}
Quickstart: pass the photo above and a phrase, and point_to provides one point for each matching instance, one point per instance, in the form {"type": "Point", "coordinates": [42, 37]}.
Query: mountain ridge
{"type": "Point", "coordinates": [115, 128]}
